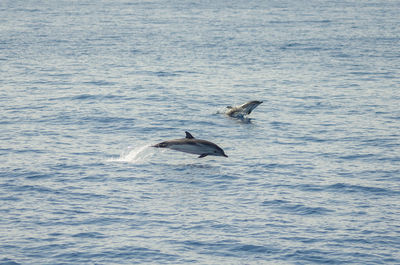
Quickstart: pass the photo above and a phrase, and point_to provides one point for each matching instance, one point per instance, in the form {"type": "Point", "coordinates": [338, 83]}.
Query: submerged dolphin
{"type": "Point", "coordinates": [242, 110]}
{"type": "Point", "coordinates": [193, 146]}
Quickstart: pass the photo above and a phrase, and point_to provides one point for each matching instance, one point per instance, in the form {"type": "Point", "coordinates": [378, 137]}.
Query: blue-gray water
{"type": "Point", "coordinates": [312, 178]}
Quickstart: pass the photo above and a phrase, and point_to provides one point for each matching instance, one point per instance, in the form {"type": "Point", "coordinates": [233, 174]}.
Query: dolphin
{"type": "Point", "coordinates": [242, 110]}
{"type": "Point", "coordinates": [192, 145]}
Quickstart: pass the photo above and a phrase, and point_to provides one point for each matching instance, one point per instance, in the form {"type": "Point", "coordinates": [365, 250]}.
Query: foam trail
{"type": "Point", "coordinates": [134, 154]}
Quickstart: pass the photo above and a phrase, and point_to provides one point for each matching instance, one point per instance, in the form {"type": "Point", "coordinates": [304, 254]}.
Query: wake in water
{"type": "Point", "coordinates": [138, 154]}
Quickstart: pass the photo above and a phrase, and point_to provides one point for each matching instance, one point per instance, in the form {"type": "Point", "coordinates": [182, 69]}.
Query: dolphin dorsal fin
{"type": "Point", "coordinates": [189, 136]}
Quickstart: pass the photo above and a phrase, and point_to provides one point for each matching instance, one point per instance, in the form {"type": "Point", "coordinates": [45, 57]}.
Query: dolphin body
{"type": "Point", "coordinates": [242, 110]}
{"type": "Point", "coordinates": [192, 145]}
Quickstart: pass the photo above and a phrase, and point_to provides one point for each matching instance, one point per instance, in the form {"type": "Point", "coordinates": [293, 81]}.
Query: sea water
{"type": "Point", "coordinates": [313, 174]}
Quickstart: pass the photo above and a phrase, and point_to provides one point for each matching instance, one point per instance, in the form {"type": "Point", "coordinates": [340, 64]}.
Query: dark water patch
{"type": "Point", "coordinates": [356, 156]}
{"type": "Point", "coordinates": [84, 220]}
{"type": "Point", "coordinates": [10, 198]}
{"type": "Point", "coordinates": [300, 209]}
{"type": "Point", "coordinates": [349, 188]}
{"type": "Point", "coordinates": [89, 235]}
{"type": "Point", "coordinates": [290, 141]}
{"type": "Point", "coordinates": [29, 10]}
{"type": "Point", "coordinates": [37, 249]}
{"type": "Point", "coordinates": [171, 180]}
{"type": "Point", "coordinates": [306, 22]}
{"type": "Point", "coordinates": [382, 141]}
{"type": "Point", "coordinates": [97, 177]}
{"type": "Point", "coordinates": [108, 120]}
{"type": "Point", "coordinates": [60, 167]}
{"type": "Point", "coordinates": [199, 167]}
{"type": "Point", "coordinates": [394, 117]}
{"type": "Point", "coordinates": [280, 125]}
{"type": "Point", "coordinates": [39, 176]}
{"type": "Point", "coordinates": [309, 98]}
{"type": "Point", "coordinates": [279, 165]}
{"type": "Point", "coordinates": [306, 240]}
{"type": "Point", "coordinates": [226, 248]}
{"type": "Point", "coordinates": [311, 138]}
{"type": "Point", "coordinates": [99, 83]}
{"type": "Point", "coordinates": [7, 261]}
{"type": "Point", "coordinates": [378, 75]}
{"type": "Point", "coordinates": [89, 154]}
{"type": "Point", "coordinates": [137, 51]}
{"type": "Point", "coordinates": [274, 202]}
{"type": "Point", "coordinates": [83, 97]}
{"type": "Point", "coordinates": [92, 98]}
{"type": "Point", "coordinates": [309, 47]}
{"type": "Point", "coordinates": [315, 256]}
{"type": "Point", "coordinates": [23, 173]}
{"type": "Point", "coordinates": [296, 209]}
{"type": "Point", "coordinates": [159, 73]}
{"type": "Point", "coordinates": [16, 109]}
{"type": "Point", "coordinates": [70, 212]}
{"type": "Point", "coordinates": [133, 254]}
{"type": "Point", "coordinates": [389, 159]}
{"type": "Point", "coordinates": [385, 175]}
{"type": "Point", "coordinates": [31, 188]}
{"type": "Point", "coordinates": [224, 178]}
{"type": "Point", "coordinates": [310, 187]}
{"type": "Point", "coordinates": [253, 249]}
{"type": "Point", "coordinates": [165, 74]}
{"type": "Point", "coordinates": [56, 234]}
{"type": "Point", "coordinates": [79, 196]}
{"type": "Point", "coordinates": [186, 72]}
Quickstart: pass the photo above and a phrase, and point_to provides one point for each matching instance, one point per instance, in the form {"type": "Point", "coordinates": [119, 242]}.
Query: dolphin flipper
{"type": "Point", "coordinates": [203, 155]}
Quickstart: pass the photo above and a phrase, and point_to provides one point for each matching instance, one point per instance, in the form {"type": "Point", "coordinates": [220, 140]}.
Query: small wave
{"type": "Point", "coordinates": [7, 261]}
{"type": "Point", "coordinates": [134, 154]}
{"type": "Point", "coordinates": [89, 235]}
{"type": "Point", "coordinates": [349, 188]}
{"type": "Point", "coordinates": [297, 209]}
{"type": "Point", "coordinates": [301, 209]}
{"type": "Point", "coordinates": [253, 249]}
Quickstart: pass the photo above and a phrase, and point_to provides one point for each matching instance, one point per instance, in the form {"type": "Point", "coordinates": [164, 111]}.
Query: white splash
{"type": "Point", "coordinates": [135, 154]}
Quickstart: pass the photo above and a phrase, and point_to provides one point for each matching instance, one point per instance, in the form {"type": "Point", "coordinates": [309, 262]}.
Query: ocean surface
{"type": "Point", "coordinates": [313, 174]}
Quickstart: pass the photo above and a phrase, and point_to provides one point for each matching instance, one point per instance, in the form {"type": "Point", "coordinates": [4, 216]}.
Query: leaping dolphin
{"type": "Point", "coordinates": [242, 110]}
{"type": "Point", "coordinates": [192, 145]}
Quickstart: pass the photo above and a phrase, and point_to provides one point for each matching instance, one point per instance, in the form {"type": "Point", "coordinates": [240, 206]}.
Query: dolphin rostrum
{"type": "Point", "coordinates": [193, 146]}
{"type": "Point", "coordinates": [242, 110]}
